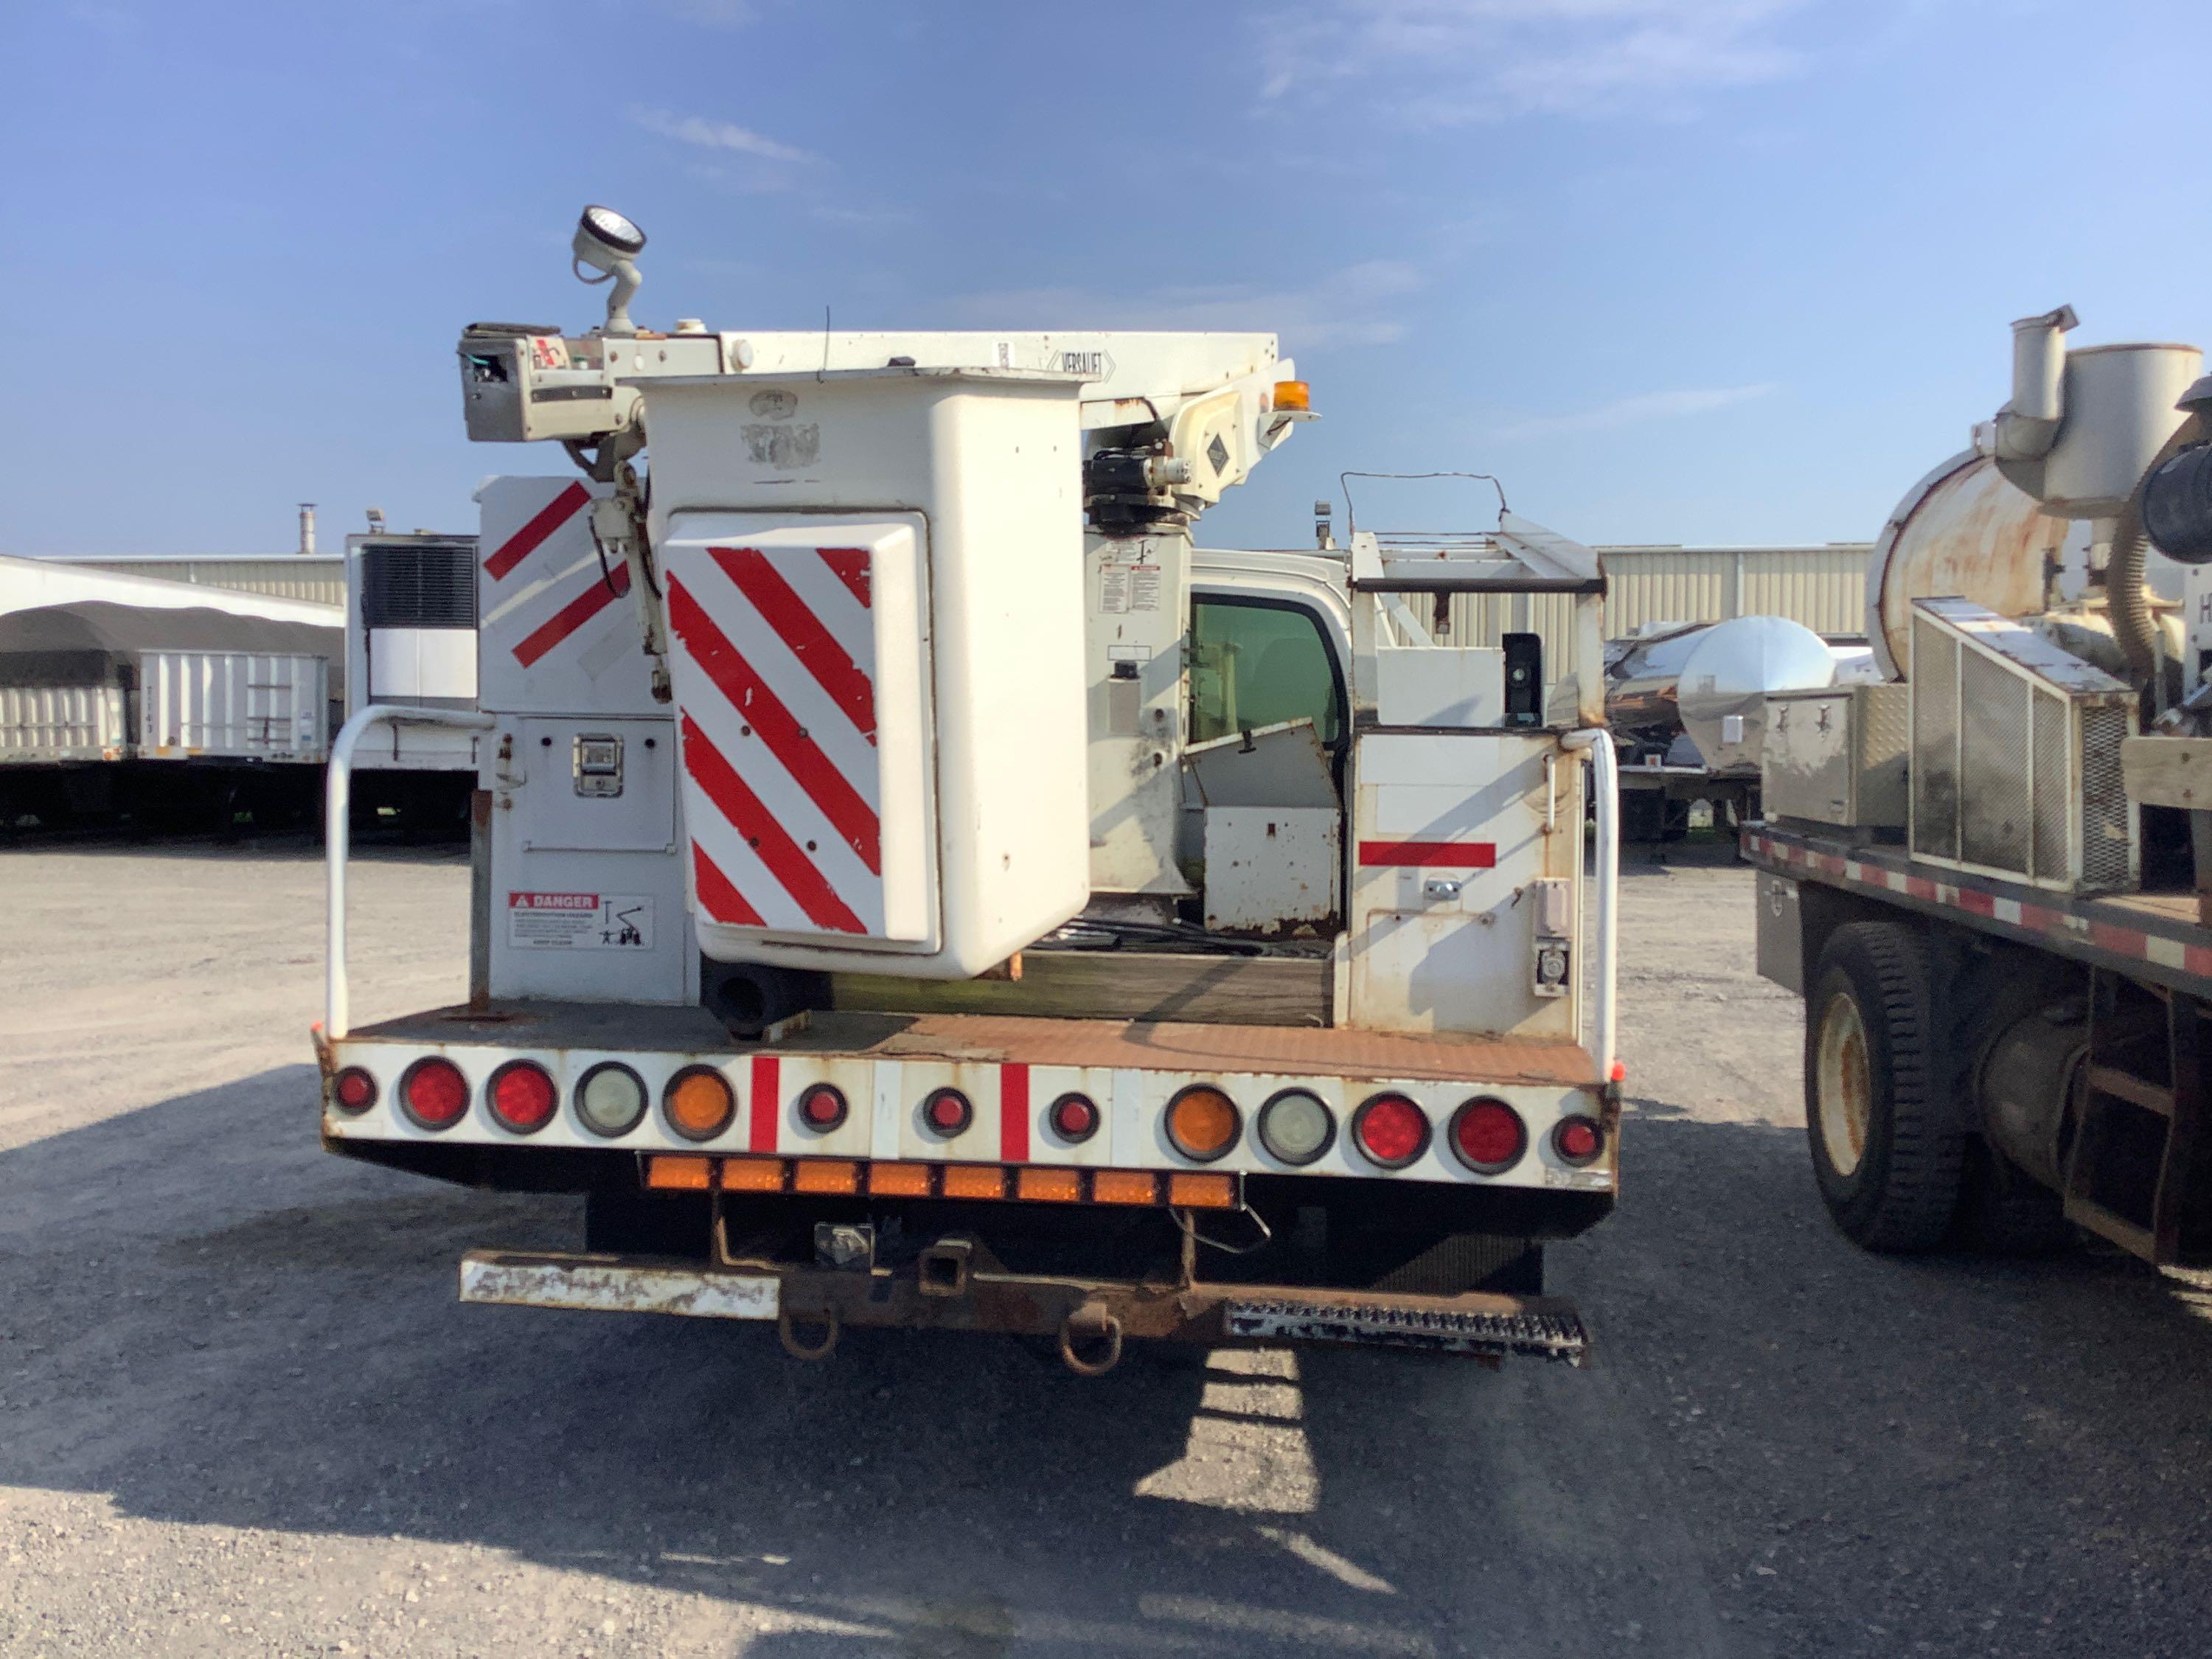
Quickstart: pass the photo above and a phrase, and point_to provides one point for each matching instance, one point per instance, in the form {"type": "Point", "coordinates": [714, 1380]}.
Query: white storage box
{"type": "Point", "coordinates": [874, 586]}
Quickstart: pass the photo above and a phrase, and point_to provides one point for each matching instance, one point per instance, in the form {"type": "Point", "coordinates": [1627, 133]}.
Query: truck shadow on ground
{"type": "Point", "coordinates": [206, 1321]}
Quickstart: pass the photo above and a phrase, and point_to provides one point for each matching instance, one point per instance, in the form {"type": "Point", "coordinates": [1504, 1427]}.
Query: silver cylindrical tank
{"type": "Point", "coordinates": [2120, 409]}
{"type": "Point", "coordinates": [1727, 678]}
{"type": "Point", "coordinates": [1712, 682]}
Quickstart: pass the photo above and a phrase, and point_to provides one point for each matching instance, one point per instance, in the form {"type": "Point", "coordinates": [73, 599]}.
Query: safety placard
{"type": "Point", "coordinates": [1129, 588]}
{"type": "Point", "coordinates": [579, 921]}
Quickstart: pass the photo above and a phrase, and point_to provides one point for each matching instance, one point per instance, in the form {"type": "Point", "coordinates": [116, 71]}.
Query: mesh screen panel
{"type": "Point", "coordinates": [2107, 848]}
{"type": "Point", "coordinates": [419, 584]}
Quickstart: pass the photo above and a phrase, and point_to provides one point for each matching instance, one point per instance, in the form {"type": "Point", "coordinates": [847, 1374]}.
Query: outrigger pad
{"type": "Point", "coordinates": [1557, 1334]}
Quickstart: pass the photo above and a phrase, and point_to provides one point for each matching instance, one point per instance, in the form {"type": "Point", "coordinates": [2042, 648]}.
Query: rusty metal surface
{"type": "Point", "coordinates": [996, 1039]}
{"type": "Point", "coordinates": [1476, 1324]}
{"type": "Point", "coordinates": [1172, 1047]}
{"type": "Point", "coordinates": [1962, 532]}
{"type": "Point", "coordinates": [607, 1285]}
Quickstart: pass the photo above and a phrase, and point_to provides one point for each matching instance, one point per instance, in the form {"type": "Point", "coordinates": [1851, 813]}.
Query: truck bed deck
{"type": "Point", "coordinates": [997, 1038]}
{"type": "Point", "coordinates": [2150, 936]}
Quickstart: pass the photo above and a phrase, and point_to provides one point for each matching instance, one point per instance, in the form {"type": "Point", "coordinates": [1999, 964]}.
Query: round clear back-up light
{"type": "Point", "coordinates": [1296, 1128]}
{"type": "Point", "coordinates": [611, 1099]}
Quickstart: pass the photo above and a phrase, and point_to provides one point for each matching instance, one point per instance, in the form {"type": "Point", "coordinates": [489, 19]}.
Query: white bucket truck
{"type": "Point", "coordinates": [914, 887]}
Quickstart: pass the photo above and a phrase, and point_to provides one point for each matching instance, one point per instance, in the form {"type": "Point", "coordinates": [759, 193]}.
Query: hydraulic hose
{"type": "Point", "coordinates": [2126, 592]}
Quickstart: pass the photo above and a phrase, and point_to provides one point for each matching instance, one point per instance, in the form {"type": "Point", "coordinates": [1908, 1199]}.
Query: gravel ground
{"type": "Point", "coordinates": [241, 1412]}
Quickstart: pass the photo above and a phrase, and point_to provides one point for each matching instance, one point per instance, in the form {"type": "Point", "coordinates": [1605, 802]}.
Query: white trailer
{"type": "Point", "coordinates": [915, 888]}
{"type": "Point", "coordinates": [164, 712]}
{"type": "Point", "coordinates": [411, 643]}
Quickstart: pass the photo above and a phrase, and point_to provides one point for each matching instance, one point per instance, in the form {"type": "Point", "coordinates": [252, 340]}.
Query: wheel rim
{"type": "Point", "coordinates": [1845, 1087]}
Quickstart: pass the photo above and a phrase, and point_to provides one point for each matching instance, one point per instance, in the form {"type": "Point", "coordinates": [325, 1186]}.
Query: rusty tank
{"type": "Point", "coordinates": [1962, 531]}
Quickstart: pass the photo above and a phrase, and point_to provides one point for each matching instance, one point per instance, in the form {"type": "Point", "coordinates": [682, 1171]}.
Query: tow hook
{"type": "Point", "coordinates": [787, 1332]}
{"type": "Point", "coordinates": [1091, 1340]}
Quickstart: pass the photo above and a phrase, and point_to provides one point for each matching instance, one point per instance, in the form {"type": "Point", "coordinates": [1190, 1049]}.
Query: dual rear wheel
{"type": "Point", "coordinates": [1897, 1168]}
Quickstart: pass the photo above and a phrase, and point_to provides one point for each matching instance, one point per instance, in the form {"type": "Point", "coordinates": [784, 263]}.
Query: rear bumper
{"type": "Point", "coordinates": [1011, 1070]}
{"type": "Point", "coordinates": [810, 1306]}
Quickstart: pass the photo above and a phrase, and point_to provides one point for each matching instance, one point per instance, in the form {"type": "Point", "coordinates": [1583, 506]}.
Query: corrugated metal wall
{"type": "Point", "coordinates": [1822, 587]}
{"type": "Point", "coordinates": [318, 578]}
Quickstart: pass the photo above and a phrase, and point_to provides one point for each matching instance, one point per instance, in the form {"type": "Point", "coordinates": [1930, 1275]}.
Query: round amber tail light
{"type": "Point", "coordinates": [698, 1103]}
{"type": "Point", "coordinates": [1203, 1123]}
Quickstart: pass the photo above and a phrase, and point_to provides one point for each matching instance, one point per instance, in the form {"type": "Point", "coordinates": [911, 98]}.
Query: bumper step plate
{"type": "Point", "coordinates": [1556, 1335]}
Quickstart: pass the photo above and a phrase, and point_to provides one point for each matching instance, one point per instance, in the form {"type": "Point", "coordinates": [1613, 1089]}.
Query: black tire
{"type": "Point", "coordinates": [1901, 1191]}
{"type": "Point", "coordinates": [1642, 814]}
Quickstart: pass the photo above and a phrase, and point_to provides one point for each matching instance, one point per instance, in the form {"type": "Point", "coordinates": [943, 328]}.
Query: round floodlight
{"type": "Point", "coordinates": [612, 231]}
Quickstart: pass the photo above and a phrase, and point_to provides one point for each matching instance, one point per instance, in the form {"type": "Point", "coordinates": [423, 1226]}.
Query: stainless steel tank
{"type": "Point", "coordinates": [1712, 681]}
{"type": "Point", "coordinates": [1726, 680]}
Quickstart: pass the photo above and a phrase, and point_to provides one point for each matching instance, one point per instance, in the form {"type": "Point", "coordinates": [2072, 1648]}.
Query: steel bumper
{"type": "Point", "coordinates": [1484, 1325]}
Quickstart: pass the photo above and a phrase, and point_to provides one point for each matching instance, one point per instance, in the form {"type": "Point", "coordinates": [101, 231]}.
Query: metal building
{"type": "Point", "coordinates": [314, 578]}
{"type": "Point", "coordinates": [1823, 587]}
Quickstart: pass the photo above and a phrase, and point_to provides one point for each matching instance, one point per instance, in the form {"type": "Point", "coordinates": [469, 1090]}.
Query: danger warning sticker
{"type": "Point", "coordinates": [579, 921]}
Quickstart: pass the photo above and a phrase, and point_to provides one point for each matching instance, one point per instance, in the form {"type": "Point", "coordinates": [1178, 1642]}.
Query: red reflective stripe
{"type": "Point", "coordinates": [573, 615]}
{"type": "Point", "coordinates": [718, 893]}
{"type": "Point", "coordinates": [750, 818]}
{"type": "Point", "coordinates": [1981, 903]}
{"type": "Point", "coordinates": [850, 566]}
{"type": "Point", "coordinates": [524, 541]}
{"type": "Point", "coordinates": [2120, 941]}
{"type": "Point", "coordinates": [759, 705]}
{"type": "Point", "coordinates": [1438, 854]}
{"type": "Point", "coordinates": [1013, 1114]}
{"type": "Point", "coordinates": [802, 630]}
{"type": "Point", "coordinates": [766, 1092]}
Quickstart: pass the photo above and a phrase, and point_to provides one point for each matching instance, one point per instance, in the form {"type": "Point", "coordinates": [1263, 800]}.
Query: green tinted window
{"type": "Point", "coordinates": [1257, 664]}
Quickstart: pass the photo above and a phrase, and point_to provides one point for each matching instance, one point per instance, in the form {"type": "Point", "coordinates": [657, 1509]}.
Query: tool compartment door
{"type": "Point", "coordinates": [1462, 867]}
{"type": "Point", "coordinates": [799, 656]}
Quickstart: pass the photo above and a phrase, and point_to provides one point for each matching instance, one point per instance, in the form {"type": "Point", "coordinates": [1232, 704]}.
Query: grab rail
{"type": "Point", "coordinates": [1605, 782]}
{"type": "Point", "coordinates": [337, 838]}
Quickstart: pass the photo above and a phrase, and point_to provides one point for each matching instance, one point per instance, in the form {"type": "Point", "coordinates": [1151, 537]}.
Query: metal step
{"type": "Point", "coordinates": [1557, 1334]}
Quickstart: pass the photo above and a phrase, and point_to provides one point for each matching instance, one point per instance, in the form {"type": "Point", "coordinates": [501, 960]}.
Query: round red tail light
{"type": "Point", "coordinates": [1489, 1136]}
{"type": "Point", "coordinates": [352, 1090]}
{"type": "Point", "coordinates": [434, 1094]}
{"type": "Point", "coordinates": [947, 1112]}
{"type": "Point", "coordinates": [822, 1107]}
{"type": "Point", "coordinates": [1074, 1117]}
{"type": "Point", "coordinates": [522, 1096]}
{"type": "Point", "coordinates": [1578, 1140]}
{"type": "Point", "coordinates": [1390, 1130]}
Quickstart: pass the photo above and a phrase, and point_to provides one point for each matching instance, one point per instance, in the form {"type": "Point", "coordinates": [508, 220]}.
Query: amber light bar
{"type": "Point", "coordinates": [1033, 1183]}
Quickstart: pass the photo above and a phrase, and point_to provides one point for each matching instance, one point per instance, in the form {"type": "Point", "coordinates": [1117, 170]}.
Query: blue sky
{"type": "Point", "coordinates": [1723, 270]}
